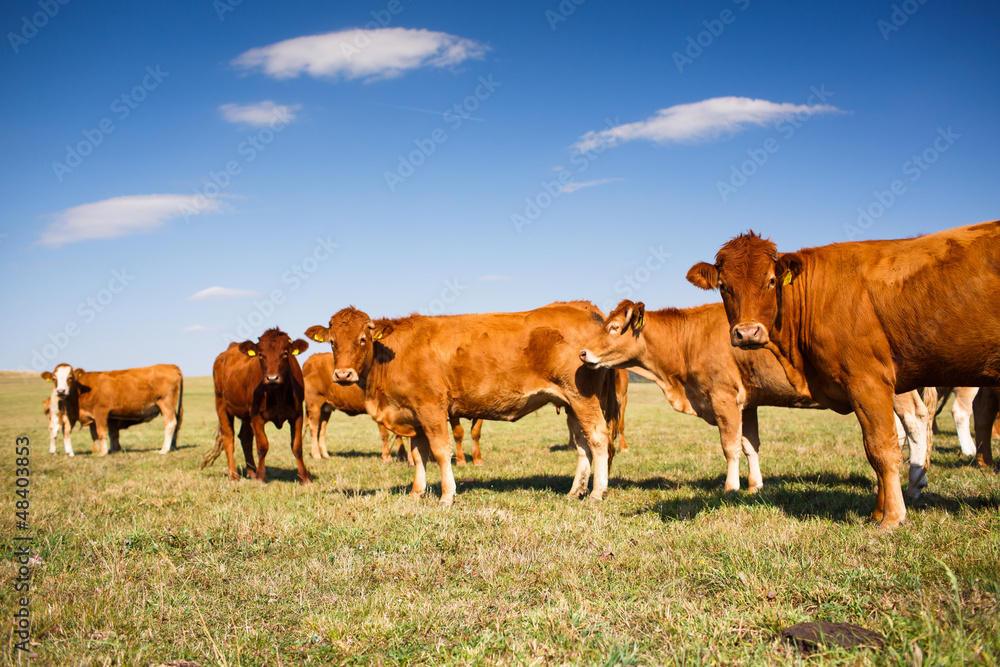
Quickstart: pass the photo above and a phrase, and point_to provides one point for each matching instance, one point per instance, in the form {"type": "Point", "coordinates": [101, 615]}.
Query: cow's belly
{"type": "Point", "coordinates": [135, 416]}
{"type": "Point", "coordinates": [501, 406]}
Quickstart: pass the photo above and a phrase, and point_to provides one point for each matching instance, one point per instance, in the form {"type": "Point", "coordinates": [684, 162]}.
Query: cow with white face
{"type": "Point", "coordinates": [55, 406]}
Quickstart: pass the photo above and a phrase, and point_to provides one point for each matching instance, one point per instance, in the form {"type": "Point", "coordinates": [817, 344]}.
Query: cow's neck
{"type": "Point", "coordinates": [664, 348]}
{"type": "Point", "coordinates": [792, 320]}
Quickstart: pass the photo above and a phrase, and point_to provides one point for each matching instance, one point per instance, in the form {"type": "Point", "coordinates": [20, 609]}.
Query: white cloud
{"type": "Point", "coordinates": [494, 278]}
{"type": "Point", "coordinates": [222, 293]}
{"type": "Point", "coordinates": [121, 216]}
{"type": "Point", "coordinates": [699, 121]}
{"type": "Point", "coordinates": [260, 114]}
{"type": "Point", "coordinates": [199, 328]}
{"type": "Point", "coordinates": [360, 54]}
{"type": "Point", "coordinates": [573, 186]}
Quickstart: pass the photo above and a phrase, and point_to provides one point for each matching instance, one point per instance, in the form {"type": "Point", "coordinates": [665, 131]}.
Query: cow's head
{"type": "Point", "coordinates": [749, 273]}
{"type": "Point", "coordinates": [352, 335]}
{"type": "Point", "coordinates": [619, 343]}
{"type": "Point", "coordinates": [64, 377]}
{"type": "Point", "coordinates": [272, 349]}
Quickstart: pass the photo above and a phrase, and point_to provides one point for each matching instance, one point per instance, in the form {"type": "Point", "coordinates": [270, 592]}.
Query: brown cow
{"type": "Point", "coordinates": [417, 372]}
{"type": "Point", "coordinates": [259, 382]}
{"type": "Point", "coordinates": [109, 401]}
{"type": "Point", "coordinates": [323, 396]}
{"type": "Point", "coordinates": [854, 323]}
{"type": "Point", "coordinates": [986, 408]}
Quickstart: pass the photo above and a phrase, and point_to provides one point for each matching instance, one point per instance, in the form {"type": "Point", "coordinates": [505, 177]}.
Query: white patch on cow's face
{"type": "Point", "coordinates": [62, 374]}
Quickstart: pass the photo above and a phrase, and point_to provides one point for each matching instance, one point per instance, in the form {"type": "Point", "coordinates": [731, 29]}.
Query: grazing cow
{"type": "Point", "coordinates": [854, 323]}
{"type": "Point", "coordinates": [418, 372]}
{"type": "Point", "coordinates": [323, 396]}
{"type": "Point", "coordinates": [109, 401]}
{"type": "Point", "coordinates": [259, 382]}
{"type": "Point", "coordinates": [687, 353]}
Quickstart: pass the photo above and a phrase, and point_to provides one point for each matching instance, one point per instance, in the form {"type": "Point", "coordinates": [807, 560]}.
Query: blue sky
{"type": "Point", "coordinates": [176, 175]}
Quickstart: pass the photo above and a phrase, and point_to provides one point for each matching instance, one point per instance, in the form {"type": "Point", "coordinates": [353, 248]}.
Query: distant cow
{"type": "Point", "coordinates": [58, 420]}
{"type": "Point", "coordinates": [324, 396]}
{"type": "Point", "coordinates": [259, 382]}
{"type": "Point", "coordinates": [418, 372]}
{"type": "Point", "coordinates": [109, 401]}
{"type": "Point", "coordinates": [962, 413]}
{"type": "Point", "coordinates": [853, 323]}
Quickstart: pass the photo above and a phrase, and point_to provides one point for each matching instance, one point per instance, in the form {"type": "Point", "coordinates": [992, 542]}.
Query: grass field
{"type": "Point", "coordinates": [145, 559]}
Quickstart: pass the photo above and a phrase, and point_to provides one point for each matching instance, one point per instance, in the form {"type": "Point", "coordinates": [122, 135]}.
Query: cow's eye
{"type": "Point", "coordinates": [614, 328]}
{"type": "Point", "coordinates": [362, 341]}
{"type": "Point", "coordinates": [771, 283]}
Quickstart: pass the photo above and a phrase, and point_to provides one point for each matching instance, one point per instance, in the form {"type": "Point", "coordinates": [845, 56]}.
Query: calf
{"type": "Point", "coordinates": [854, 323]}
{"type": "Point", "coordinates": [418, 372]}
{"type": "Point", "coordinates": [109, 401]}
{"type": "Point", "coordinates": [259, 382]}
{"type": "Point", "coordinates": [324, 396]}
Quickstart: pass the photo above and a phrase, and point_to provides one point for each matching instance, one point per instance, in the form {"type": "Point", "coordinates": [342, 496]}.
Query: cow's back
{"type": "Point", "coordinates": [934, 297]}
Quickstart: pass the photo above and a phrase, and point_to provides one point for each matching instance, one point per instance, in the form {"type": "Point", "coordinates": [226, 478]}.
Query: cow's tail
{"type": "Point", "coordinates": [216, 449]}
{"type": "Point", "coordinates": [178, 415]}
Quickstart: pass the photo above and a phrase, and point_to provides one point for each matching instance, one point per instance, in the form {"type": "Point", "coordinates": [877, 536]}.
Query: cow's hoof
{"type": "Point", "coordinates": [447, 502]}
{"type": "Point", "coordinates": [478, 463]}
{"type": "Point", "coordinates": [596, 498]}
{"type": "Point", "coordinates": [889, 525]}
{"type": "Point", "coordinates": [754, 489]}
{"type": "Point", "coordinates": [912, 494]}
{"type": "Point", "coordinates": [315, 456]}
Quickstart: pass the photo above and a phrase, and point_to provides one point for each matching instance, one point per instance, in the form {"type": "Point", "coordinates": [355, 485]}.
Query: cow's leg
{"type": "Point", "coordinates": [751, 447]}
{"type": "Point", "coordinates": [727, 415]}
{"type": "Point", "coordinates": [420, 450]}
{"type": "Point", "coordinates": [872, 403]}
{"type": "Point", "coordinates": [53, 423]}
{"type": "Point", "coordinates": [67, 426]}
{"type": "Point", "coordinates": [440, 446]}
{"type": "Point", "coordinates": [929, 398]}
{"type": "Point", "coordinates": [246, 444]}
{"type": "Point", "coordinates": [100, 428]}
{"type": "Point", "coordinates": [942, 397]}
{"type": "Point", "coordinates": [583, 456]}
{"type": "Point", "coordinates": [385, 434]}
{"type": "Point", "coordinates": [961, 411]}
{"type": "Point", "coordinates": [404, 454]}
{"type": "Point", "coordinates": [477, 431]}
{"type": "Point", "coordinates": [313, 413]}
{"type": "Point", "coordinates": [169, 411]}
{"type": "Point", "coordinates": [602, 450]}
{"type": "Point", "coordinates": [985, 408]}
{"type": "Point", "coordinates": [324, 421]}
{"type": "Point", "coordinates": [257, 424]}
{"type": "Point", "coordinates": [459, 433]}
{"type": "Point", "coordinates": [911, 413]}
{"type": "Point", "coordinates": [114, 431]}
{"type": "Point", "coordinates": [296, 442]}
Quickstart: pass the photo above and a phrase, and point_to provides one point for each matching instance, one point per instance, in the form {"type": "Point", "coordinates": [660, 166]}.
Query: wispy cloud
{"type": "Point", "coordinates": [200, 328]}
{"type": "Point", "coordinates": [121, 216]}
{"type": "Point", "coordinates": [699, 121]}
{"type": "Point", "coordinates": [259, 114]}
{"type": "Point", "coordinates": [573, 186]}
{"type": "Point", "coordinates": [494, 278]}
{"type": "Point", "coordinates": [222, 293]}
{"type": "Point", "coordinates": [360, 54]}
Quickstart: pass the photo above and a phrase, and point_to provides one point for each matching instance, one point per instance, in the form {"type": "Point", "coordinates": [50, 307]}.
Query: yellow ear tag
{"type": "Point", "coordinates": [251, 353]}
{"type": "Point", "coordinates": [317, 338]}
{"type": "Point", "coordinates": [48, 379]}
{"type": "Point", "coordinates": [294, 352]}
{"type": "Point", "coordinates": [378, 336]}
{"type": "Point", "coordinates": [638, 325]}
{"type": "Point", "coordinates": [788, 279]}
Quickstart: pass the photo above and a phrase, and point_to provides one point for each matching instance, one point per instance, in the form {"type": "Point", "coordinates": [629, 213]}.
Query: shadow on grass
{"type": "Point", "coordinates": [356, 454]}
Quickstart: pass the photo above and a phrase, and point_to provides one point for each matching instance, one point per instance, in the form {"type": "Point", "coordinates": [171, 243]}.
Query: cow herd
{"type": "Point", "coordinates": [857, 327]}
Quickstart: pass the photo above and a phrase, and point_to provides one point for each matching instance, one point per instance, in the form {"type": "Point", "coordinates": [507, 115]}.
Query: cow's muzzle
{"type": "Point", "coordinates": [62, 392]}
{"type": "Point", "coordinates": [749, 336]}
{"type": "Point", "coordinates": [589, 358]}
{"type": "Point", "coordinates": [345, 376]}
{"type": "Point", "coordinates": [272, 379]}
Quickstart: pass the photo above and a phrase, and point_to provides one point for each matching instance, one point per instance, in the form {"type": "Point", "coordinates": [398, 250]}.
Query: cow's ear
{"type": "Point", "coordinates": [703, 275]}
{"type": "Point", "coordinates": [300, 346]}
{"type": "Point", "coordinates": [788, 267]}
{"type": "Point", "coordinates": [318, 333]}
{"type": "Point", "coordinates": [47, 376]}
{"type": "Point", "coordinates": [638, 317]}
{"type": "Point", "coordinates": [381, 331]}
{"type": "Point", "coordinates": [78, 374]}
{"type": "Point", "coordinates": [249, 348]}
